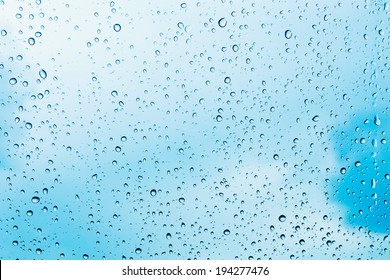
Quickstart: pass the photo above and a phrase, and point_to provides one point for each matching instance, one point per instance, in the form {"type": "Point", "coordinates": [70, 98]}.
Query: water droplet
{"type": "Point", "coordinates": [28, 125]}
{"type": "Point", "coordinates": [3, 32]}
{"type": "Point", "coordinates": [118, 149]}
{"type": "Point", "coordinates": [226, 232]}
{"type": "Point", "coordinates": [114, 93]}
{"type": "Point", "coordinates": [373, 183]}
{"type": "Point", "coordinates": [85, 257]}
{"type": "Point", "coordinates": [377, 121]}
{"type": "Point", "coordinates": [282, 218]}
{"type": "Point", "coordinates": [153, 192]}
{"type": "Point", "coordinates": [29, 213]}
{"type": "Point", "coordinates": [288, 34]}
{"type": "Point", "coordinates": [183, 5]}
{"type": "Point", "coordinates": [117, 27]}
{"type": "Point", "coordinates": [38, 251]}
{"type": "Point", "coordinates": [219, 118]}
{"type": "Point", "coordinates": [12, 81]}
{"type": "Point", "coordinates": [31, 41]}
{"type": "Point", "coordinates": [316, 118]}
{"type": "Point", "coordinates": [222, 22]}
{"type": "Point", "coordinates": [35, 199]}
{"type": "Point", "coordinates": [94, 176]}
{"type": "Point", "coordinates": [42, 74]}
{"type": "Point", "coordinates": [123, 138]}
{"type": "Point", "coordinates": [138, 251]}
{"type": "Point", "coordinates": [343, 170]}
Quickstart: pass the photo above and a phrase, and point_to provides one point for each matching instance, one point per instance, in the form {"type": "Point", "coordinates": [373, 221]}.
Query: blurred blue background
{"type": "Point", "coordinates": [194, 130]}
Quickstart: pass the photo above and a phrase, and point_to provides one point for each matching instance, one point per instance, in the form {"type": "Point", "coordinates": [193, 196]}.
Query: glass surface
{"type": "Point", "coordinates": [194, 130]}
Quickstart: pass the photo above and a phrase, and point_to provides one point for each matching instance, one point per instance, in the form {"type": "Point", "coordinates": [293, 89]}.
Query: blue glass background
{"type": "Point", "coordinates": [196, 130]}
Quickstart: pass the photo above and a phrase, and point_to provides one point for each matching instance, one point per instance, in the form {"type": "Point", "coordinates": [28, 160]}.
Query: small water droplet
{"type": "Point", "coordinates": [316, 118]}
{"type": "Point", "coordinates": [288, 34]}
{"type": "Point", "coordinates": [31, 41]}
{"type": "Point", "coordinates": [219, 118]}
{"type": "Point", "coordinates": [138, 251]}
{"type": "Point", "coordinates": [13, 81]}
{"type": "Point", "coordinates": [117, 27]}
{"type": "Point", "coordinates": [42, 74]}
{"type": "Point", "coordinates": [343, 170]}
{"type": "Point", "coordinates": [377, 121]}
{"type": "Point", "coordinates": [282, 218]}
{"type": "Point", "coordinates": [35, 199]}
{"type": "Point", "coordinates": [226, 232]}
{"type": "Point", "coordinates": [222, 22]}
{"type": "Point", "coordinates": [28, 125]}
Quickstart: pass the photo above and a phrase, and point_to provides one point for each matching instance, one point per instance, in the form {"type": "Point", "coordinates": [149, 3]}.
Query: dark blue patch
{"type": "Point", "coordinates": [363, 181]}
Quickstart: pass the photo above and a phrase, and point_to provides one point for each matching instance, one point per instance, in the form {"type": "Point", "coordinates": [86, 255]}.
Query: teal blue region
{"type": "Point", "coordinates": [363, 182]}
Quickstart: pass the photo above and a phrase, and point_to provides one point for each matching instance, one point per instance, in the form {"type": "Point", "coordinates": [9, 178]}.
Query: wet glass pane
{"type": "Point", "coordinates": [194, 130]}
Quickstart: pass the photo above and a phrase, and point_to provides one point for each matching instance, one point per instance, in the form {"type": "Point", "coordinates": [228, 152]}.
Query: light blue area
{"type": "Point", "coordinates": [191, 130]}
